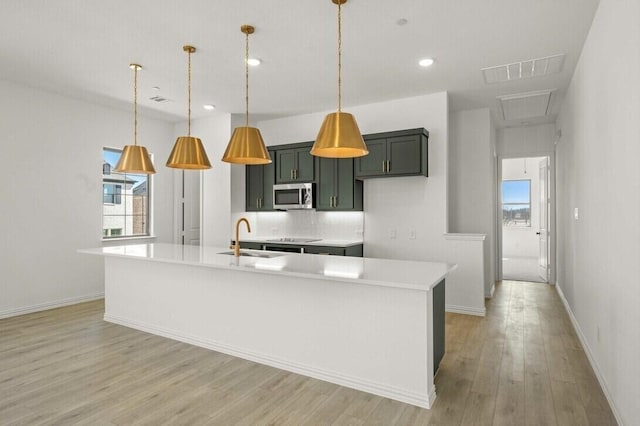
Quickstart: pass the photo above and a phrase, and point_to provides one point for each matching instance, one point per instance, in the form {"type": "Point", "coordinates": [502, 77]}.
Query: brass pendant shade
{"type": "Point", "coordinates": [135, 158]}
{"type": "Point", "coordinates": [188, 152]}
{"type": "Point", "coordinates": [246, 145]}
{"type": "Point", "coordinates": [339, 135]}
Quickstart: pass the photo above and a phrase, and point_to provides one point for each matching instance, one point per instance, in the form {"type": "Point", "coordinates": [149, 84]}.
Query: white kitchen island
{"type": "Point", "coordinates": [364, 323]}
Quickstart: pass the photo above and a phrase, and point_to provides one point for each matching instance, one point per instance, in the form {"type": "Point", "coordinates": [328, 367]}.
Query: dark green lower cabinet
{"type": "Point", "coordinates": [438, 324]}
{"type": "Point", "coordinates": [355, 251]}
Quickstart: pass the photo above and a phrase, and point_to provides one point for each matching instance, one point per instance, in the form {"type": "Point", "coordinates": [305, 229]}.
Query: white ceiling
{"type": "Point", "coordinates": [82, 48]}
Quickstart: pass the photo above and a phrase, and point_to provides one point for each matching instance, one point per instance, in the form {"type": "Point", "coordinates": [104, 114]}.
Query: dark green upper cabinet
{"type": "Point", "coordinates": [401, 153]}
{"type": "Point", "coordinates": [295, 164]}
{"type": "Point", "coordinates": [259, 186]}
{"type": "Point", "coordinates": [337, 188]}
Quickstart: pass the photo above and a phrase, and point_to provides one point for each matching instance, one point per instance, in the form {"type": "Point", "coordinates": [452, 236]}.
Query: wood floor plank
{"type": "Point", "coordinates": [521, 364]}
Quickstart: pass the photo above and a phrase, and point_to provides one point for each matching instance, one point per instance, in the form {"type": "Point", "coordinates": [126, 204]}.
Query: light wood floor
{"type": "Point", "coordinates": [521, 365]}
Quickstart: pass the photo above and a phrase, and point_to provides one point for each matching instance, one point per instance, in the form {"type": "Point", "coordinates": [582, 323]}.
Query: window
{"type": "Point", "coordinates": [516, 203]}
{"type": "Point", "coordinates": [125, 200]}
{"type": "Point", "coordinates": [112, 193]}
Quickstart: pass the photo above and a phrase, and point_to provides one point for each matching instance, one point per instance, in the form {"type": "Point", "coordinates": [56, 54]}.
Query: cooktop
{"type": "Point", "coordinates": [293, 240]}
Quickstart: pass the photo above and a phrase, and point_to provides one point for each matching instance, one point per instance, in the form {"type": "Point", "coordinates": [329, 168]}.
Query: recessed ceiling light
{"type": "Point", "coordinates": [209, 107]}
{"type": "Point", "coordinates": [254, 62]}
{"type": "Point", "coordinates": [156, 88]}
{"type": "Point", "coordinates": [426, 62]}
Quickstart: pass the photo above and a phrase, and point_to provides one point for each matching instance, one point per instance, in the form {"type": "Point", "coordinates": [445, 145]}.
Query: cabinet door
{"type": "Point", "coordinates": [373, 164]}
{"type": "Point", "coordinates": [305, 165]}
{"type": "Point", "coordinates": [334, 251]}
{"type": "Point", "coordinates": [254, 187]}
{"type": "Point", "coordinates": [403, 154]}
{"type": "Point", "coordinates": [345, 184]}
{"type": "Point", "coordinates": [326, 183]}
{"type": "Point", "coordinates": [285, 164]}
{"type": "Point", "coordinates": [268, 178]}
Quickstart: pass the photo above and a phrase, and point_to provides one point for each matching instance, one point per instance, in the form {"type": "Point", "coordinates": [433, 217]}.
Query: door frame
{"type": "Point", "coordinates": [178, 201]}
{"type": "Point", "coordinates": [552, 211]}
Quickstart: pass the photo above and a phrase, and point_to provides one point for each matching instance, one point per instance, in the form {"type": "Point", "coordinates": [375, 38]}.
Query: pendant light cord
{"type": "Point", "coordinates": [135, 104]}
{"type": "Point", "coordinates": [246, 79]}
{"type": "Point", "coordinates": [339, 57]}
{"type": "Point", "coordinates": [189, 93]}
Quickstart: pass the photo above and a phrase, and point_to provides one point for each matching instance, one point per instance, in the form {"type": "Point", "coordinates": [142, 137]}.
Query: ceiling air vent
{"type": "Point", "coordinates": [525, 105]}
{"type": "Point", "coordinates": [159, 99]}
{"type": "Point", "coordinates": [524, 69]}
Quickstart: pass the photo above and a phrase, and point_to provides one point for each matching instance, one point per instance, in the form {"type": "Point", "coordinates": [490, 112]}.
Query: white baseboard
{"type": "Point", "coordinates": [414, 398]}
{"type": "Point", "coordinates": [49, 305]}
{"type": "Point", "coordinates": [587, 350]}
{"type": "Point", "coordinates": [465, 310]}
{"type": "Point", "coordinates": [491, 292]}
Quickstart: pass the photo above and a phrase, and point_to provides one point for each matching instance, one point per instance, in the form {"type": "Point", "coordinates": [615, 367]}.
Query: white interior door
{"type": "Point", "coordinates": [190, 207]}
{"type": "Point", "coordinates": [543, 231]}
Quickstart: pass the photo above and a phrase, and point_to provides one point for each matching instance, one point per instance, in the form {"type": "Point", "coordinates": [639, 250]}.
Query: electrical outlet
{"type": "Point", "coordinates": [412, 234]}
{"type": "Point", "coordinates": [393, 233]}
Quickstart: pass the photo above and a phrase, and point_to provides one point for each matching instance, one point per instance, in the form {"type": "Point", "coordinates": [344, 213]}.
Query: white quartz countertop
{"type": "Point", "coordinates": [357, 270]}
{"type": "Point", "coordinates": [319, 242]}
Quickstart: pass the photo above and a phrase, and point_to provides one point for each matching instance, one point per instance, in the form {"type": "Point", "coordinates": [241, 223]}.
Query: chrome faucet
{"type": "Point", "coordinates": [236, 246]}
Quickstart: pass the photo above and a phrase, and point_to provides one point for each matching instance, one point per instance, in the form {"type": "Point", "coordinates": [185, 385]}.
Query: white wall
{"type": "Point", "coordinates": [598, 173]}
{"type": "Point", "coordinates": [52, 193]}
{"type": "Point", "coordinates": [215, 131]}
{"type": "Point", "coordinates": [522, 241]}
{"type": "Point", "coordinates": [526, 141]}
{"type": "Point", "coordinates": [471, 181]}
{"type": "Point", "coordinates": [401, 205]}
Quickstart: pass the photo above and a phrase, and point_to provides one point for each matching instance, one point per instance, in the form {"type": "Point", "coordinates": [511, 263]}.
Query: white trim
{"type": "Point", "coordinates": [592, 360]}
{"type": "Point", "coordinates": [491, 292]}
{"type": "Point", "coordinates": [479, 312]}
{"type": "Point", "coordinates": [49, 305]}
{"type": "Point", "coordinates": [420, 400]}
{"type": "Point", "coordinates": [465, 237]}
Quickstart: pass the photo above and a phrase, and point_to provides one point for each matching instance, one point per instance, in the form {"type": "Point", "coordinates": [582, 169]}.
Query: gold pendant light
{"type": "Point", "coordinates": [246, 145]}
{"type": "Point", "coordinates": [135, 158]}
{"type": "Point", "coordinates": [188, 152]}
{"type": "Point", "coordinates": [339, 136]}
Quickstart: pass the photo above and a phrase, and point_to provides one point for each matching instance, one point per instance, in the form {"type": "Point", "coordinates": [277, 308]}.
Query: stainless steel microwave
{"type": "Point", "coordinates": [292, 196]}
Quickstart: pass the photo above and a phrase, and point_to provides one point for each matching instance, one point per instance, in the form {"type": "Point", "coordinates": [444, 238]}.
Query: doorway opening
{"type": "Point", "coordinates": [525, 208]}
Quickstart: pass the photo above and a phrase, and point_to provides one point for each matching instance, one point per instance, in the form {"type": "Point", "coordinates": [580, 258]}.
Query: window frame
{"type": "Point", "coordinates": [147, 219]}
{"type": "Point", "coordinates": [503, 204]}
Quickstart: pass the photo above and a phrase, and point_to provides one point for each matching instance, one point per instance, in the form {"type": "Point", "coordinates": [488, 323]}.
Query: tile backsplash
{"type": "Point", "coordinates": [303, 223]}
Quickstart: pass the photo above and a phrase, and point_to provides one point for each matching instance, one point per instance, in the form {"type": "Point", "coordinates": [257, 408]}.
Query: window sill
{"type": "Point", "coordinates": [145, 237]}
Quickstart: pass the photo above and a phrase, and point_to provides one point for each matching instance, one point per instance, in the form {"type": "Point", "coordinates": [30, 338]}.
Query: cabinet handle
{"type": "Point", "coordinates": [291, 174]}
{"type": "Point", "coordinates": [384, 166]}
{"type": "Point", "coordinates": [295, 174]}
{"type": "Point", "coordinates": [260, 202]}
{"type": "Point", "coordinates": [331, 201]}
{"type": "Point", "coordinates": [257, 202]}
{"type": "Point", "coordinates": [335, 201]}
{"type": "Point", "coordinates": [388, 166]}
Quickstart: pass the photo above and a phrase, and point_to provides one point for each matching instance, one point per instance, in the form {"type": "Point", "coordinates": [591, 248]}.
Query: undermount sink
{"type": "Point", "coordinates": [253, 254]}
